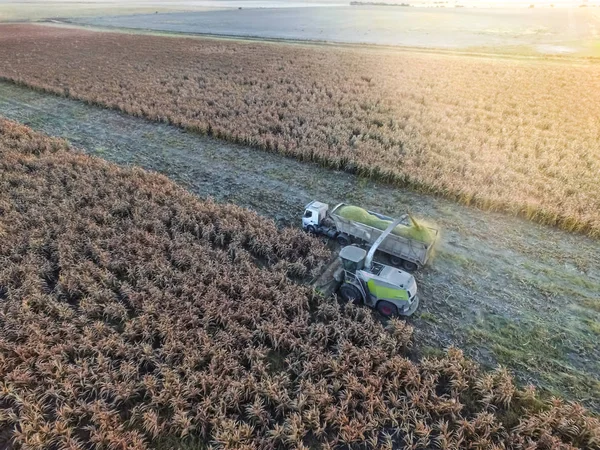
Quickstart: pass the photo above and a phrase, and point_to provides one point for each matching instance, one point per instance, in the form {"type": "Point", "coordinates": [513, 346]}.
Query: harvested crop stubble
{"type": "Point", "coordinates": [133, 315]}
{"type": "Point", "coordinates": [512, 135]}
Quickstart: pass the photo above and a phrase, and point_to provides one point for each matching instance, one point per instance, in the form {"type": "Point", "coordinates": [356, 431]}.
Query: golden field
{"type": "Point", "coordinates": [134, 315]}
{"type": "Point", "coordinates": [521, 136]}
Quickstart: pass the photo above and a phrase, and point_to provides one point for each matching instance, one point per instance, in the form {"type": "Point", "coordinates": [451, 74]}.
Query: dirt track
{"type": "Point", "coordinates": [503, 289]}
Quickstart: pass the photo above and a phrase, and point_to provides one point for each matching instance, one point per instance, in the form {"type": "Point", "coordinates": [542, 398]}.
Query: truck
{"type": "Point", "coordinates": [410, 254]}
{"type": "Point", "coordinates": [361, 280]}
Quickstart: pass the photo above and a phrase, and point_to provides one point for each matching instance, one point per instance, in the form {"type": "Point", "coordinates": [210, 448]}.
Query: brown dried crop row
{"type": "Point", "coordinates": [134, 315]}
{"type": "Point", "coordinates": [517, 136]}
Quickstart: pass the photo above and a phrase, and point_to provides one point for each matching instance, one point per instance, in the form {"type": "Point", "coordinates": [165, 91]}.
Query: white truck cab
{"type": "Point", "coordinates": [314, 213]}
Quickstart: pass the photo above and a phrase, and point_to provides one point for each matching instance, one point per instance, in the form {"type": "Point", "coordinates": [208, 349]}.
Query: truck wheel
{"type": "Point", "coordinates": [350, 294]}
{"type": "Point", "coordinates": [343, 240]}
{"type": "Point", "coordinates": [387, 309]}
{"type": "Point", "coordinates": [409, 265]}
{"type": "Point", "coordinates": [396, 261]}
{"type": "Point", "coordinates": [311, 229]}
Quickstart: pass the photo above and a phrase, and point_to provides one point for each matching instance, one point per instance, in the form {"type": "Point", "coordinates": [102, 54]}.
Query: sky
{"type": "Point", "coordinates": [482, 3]}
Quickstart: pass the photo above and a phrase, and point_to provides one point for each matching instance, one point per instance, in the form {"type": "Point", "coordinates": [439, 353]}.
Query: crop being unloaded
{"type": "Point", "coordinates": [414, 230]}
{"type": "Point", "coordinates": [503, 134]}
{"type": "Point", "coordinates": [134, 315]}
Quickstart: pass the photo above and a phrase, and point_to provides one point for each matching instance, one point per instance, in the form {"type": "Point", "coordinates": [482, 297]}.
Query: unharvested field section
{"type": "Point", "coordinates": [515, 135]}
{"type": "Point", "coordinates": [135, 315]}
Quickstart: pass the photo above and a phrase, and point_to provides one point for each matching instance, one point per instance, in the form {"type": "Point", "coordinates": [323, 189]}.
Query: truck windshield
{"type": "Point", "coordinates": [308, 213]}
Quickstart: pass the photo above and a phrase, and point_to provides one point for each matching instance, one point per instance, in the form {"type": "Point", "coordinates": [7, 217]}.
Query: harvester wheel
{"type": "Point", "coordinates": [350, 294]}
{"type": "Point", "coordinates": [387, 309]}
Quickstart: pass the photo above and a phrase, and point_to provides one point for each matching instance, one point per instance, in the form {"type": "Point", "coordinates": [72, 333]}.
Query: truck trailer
{"type": "Point", "coordinates": [410, 254]}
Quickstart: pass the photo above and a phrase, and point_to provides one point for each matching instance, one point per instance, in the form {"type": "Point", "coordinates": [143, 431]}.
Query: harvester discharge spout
{"type": "Point", "coordinates": [388, 230]}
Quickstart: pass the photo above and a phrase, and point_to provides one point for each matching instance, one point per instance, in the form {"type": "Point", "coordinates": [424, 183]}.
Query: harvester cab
{"type": "Point", "coordinates": [389, 290]}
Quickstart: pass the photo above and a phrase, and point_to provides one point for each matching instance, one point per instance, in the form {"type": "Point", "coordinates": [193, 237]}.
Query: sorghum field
{"type": "Point", "coordinates": [516, 135]}
{"type": "Point", "coordinates": [134, 315]}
